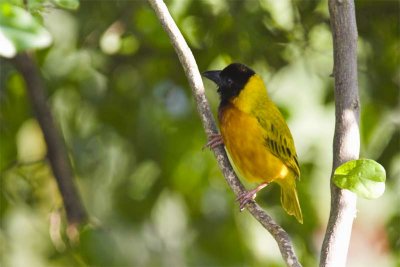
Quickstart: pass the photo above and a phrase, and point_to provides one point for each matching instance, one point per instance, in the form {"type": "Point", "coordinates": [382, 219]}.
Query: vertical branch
{"type": "Point", "coordinates": [193, 75]}
{"type": "Point", "coordinates": [346, 142]}
{"type": "Point", "coordinates": [56, 151]}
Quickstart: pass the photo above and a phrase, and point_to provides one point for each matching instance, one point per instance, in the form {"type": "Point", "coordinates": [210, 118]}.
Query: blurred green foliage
{"type": "Point", "coordinates": [126, 112]}
{"type": "Point", "coordinates": [19, 31]}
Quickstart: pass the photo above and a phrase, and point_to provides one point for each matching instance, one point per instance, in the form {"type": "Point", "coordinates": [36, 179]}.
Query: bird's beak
{"type": "Point", "coordinates": [213, 75]}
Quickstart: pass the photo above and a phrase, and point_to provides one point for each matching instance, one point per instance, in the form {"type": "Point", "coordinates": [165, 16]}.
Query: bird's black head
{"type": "Point", "coordinates": [230, 80]}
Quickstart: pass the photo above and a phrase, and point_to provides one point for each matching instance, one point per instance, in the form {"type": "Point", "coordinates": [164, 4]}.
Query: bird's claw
{"type": "Point", "coordinates": [215, 140]}
{"type": "Point", "coordinates": [248, 196]}
{"type": "Point", "coordinates": [245, 198]}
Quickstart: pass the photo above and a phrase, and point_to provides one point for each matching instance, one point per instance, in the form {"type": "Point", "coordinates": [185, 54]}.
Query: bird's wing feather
{"type": "Point", "coordinates": [277, 136]}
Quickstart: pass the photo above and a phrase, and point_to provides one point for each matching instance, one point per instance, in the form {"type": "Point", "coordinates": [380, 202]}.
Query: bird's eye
{"type": "Point", "coordinates": [229, 81]}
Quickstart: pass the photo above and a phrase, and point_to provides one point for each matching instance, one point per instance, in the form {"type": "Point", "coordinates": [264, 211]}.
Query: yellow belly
{"type": "Point", "coordinates": [244, 141]}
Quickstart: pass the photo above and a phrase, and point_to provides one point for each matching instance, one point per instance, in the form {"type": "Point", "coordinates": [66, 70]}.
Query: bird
{"type": "Point", "coordinates": [256, 137]}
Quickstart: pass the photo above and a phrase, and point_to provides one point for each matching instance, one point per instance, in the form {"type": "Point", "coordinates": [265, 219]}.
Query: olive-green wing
{"type": "Point", "coordinates": [277, 136]}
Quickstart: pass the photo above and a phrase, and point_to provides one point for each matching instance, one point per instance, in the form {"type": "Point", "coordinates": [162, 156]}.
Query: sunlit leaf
{"type": "Point", "coordinates": [365, 177]}
{"type": "Point", "coordinates": [67, 4]}
{"type": "Point", "coordinates": [20, 31]}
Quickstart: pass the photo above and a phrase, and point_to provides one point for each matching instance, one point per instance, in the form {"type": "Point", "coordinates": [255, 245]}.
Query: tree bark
{"type": "Point", "coordinates": [56, 151]}
{"type": "Point", "coordinates": [346, 141]}
{"type": "Point", "coordinates": [193, 75]}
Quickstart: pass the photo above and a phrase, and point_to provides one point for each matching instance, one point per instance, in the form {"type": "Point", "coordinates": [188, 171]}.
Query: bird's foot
{"type": "Point", "coordinates": [248, 196]}
{"type": "Point", "coordinates": [215, 140]}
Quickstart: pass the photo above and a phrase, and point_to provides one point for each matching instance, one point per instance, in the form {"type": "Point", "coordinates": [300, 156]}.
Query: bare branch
{"type": "Point", "coordinates": [346, 142]}
{"type": "Point", "coordinates": [192, 73]}
{"type": "Point", "coordinates": [57, 153]}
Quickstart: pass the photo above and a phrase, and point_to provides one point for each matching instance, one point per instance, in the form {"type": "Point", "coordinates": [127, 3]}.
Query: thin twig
{"type": "Point", "coordinates": [192, 73]}
{"type": "Point", "coordinates": [346, 142]}
{"type": "Point", "coordinates": [56, 151]}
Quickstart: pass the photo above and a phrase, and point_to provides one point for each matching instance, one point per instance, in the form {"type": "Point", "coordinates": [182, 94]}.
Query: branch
{"type": "Point", "coordinates": [346, 141]}
{"type": "Point", "coordinates": [192, 73]}
{"type": "Point", "coordinates": [56, 151]}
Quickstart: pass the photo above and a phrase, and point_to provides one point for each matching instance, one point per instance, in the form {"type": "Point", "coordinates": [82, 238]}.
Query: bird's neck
{"type": "Point", "coordinates": [254, 95]}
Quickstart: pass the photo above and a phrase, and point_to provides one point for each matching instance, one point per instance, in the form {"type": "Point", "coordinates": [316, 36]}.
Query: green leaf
{"type": "Point", "coordinates": [365, 177]}
{"type": "Point", "coordinates": [19, 31]}
{"type": "Point", "coordinates": [67, 4]}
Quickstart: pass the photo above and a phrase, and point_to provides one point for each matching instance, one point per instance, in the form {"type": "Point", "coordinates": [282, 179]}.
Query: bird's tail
{"type": "Point", "coordinates": [289, 199]}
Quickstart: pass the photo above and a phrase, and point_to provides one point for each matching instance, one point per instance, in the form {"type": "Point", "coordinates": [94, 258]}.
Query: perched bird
{"type": "Point", "coordinates": [255, 135]}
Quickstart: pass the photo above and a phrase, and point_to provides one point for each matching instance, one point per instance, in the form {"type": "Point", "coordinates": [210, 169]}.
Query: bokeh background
{"type": "Point", "coordinates": [129, 120]}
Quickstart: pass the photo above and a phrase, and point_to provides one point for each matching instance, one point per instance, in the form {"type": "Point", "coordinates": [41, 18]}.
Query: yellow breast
{"type": "Point", "coordinates": [244, 141]}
